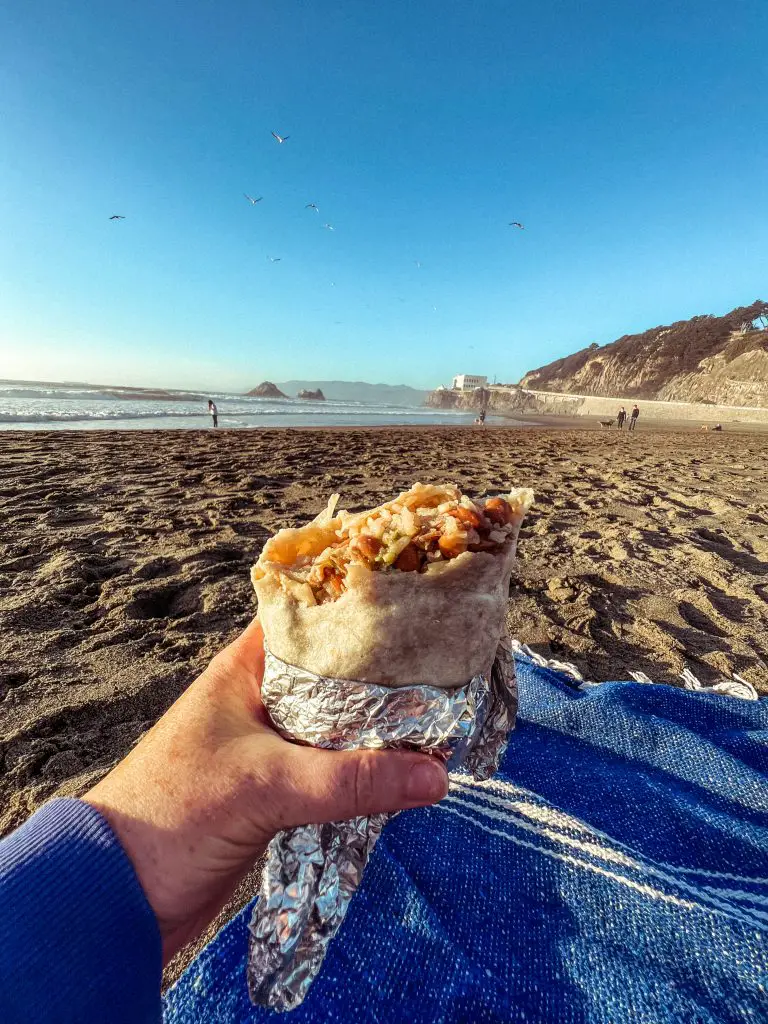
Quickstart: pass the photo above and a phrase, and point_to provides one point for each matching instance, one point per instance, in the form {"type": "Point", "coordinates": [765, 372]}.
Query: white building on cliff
{"type": "Point", "coordinates": [468, 382]}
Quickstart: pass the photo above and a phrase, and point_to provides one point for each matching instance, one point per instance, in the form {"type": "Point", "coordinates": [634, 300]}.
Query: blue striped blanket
{"type": "Point", "coordinates": [615, 870]}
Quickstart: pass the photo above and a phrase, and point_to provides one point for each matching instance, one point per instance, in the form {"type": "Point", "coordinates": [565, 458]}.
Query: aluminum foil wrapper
{"type": "Point", "coordinates": [312, 871]}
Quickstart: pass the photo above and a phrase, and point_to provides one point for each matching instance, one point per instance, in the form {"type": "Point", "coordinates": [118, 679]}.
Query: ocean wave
{"type": "Point", "coordinates": [64, 394]}
{"type": "Point", "coordinates": [23, 416]}
{"type": "Point", "coordinates": [16, 394]}
{"type": "Point", "coordinates": [114, 394]}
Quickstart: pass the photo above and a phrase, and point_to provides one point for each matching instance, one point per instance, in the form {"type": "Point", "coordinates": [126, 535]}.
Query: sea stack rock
{"type": "Point", "coordinates": [266, 390]}
{"type": "Point", "coordinates": [311, 396]}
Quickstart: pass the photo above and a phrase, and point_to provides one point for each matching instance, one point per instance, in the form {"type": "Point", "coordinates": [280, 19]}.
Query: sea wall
{"type": "Point", "coordinates": [606, 408]}
{"type": "Point", "coordinates": [547, 403]}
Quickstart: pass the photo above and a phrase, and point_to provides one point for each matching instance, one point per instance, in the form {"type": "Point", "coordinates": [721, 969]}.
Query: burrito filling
{"type": "Point", "coordinates": [424, 525]}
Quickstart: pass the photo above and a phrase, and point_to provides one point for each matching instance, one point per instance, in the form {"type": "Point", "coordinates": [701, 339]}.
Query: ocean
{"type": "Point", "coordinates": [36, 406]}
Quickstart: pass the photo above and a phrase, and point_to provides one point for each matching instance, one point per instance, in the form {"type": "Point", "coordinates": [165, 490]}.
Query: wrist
{"type": "Point", "coordinates": [186, 861]}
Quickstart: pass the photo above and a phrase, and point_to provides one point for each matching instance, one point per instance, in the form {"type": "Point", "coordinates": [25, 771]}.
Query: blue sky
{"type": "Point", "coordinates": [630, 139]}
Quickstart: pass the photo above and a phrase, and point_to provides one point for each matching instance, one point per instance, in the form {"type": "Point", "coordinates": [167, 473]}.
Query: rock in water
{"type": "Point", "coordinates": [266, 390]}
{"type": "Point", "coordinates": [312, 396]}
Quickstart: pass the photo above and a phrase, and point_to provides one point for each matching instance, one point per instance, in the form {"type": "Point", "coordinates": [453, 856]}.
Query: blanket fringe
{"type": "Point", "coordinates": [734, 687]}
{"type": "Point", "coordinates": [567, 668]}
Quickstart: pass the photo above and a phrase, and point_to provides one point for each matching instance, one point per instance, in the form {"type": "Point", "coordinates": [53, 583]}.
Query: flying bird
{"type": "Point", "coordinates": [280, 138]}
{"type": "Point", "coordinates": [251, 200]}
{"type": "Point", "coordinates": [117, 216]}
{"type": "Point", "coordinates": [517, 224]}
{"type": "Point", "coordinates": [274, 259]}
{"type": "Point", "coordinates": [312, 206]}
{"type": "Point", "coordinates": [417, 263]}
{"type": "Point", "coordinates": [329, 226]}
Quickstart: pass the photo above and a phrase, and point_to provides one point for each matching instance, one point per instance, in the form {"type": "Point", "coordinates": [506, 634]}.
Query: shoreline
{"type": "Point", "coordinates": [518, 422]}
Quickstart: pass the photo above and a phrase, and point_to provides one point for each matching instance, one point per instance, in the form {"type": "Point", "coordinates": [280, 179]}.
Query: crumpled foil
{"type": "Point", "coordinates": [312, 871]}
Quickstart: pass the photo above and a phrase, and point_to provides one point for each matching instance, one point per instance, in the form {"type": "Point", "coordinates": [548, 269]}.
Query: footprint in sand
{"type": "Point", "coordinates": [166, 602]}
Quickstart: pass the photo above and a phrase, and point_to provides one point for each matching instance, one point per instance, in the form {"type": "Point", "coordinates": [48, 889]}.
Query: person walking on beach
{"type": "Point", "coordinates": [633, 417]}
{"type": "Point", "coordinates": [621, 417]}
{"type": "Point", "coordinates": [214, 412]}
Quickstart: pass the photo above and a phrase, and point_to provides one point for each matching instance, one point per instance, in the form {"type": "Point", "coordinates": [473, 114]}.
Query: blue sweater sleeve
{"type": "Point", "coordinates": [78, 939]}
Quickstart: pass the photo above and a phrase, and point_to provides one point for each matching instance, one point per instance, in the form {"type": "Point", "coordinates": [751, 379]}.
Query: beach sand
{"type": "Point", "coordinates": [125, 561]}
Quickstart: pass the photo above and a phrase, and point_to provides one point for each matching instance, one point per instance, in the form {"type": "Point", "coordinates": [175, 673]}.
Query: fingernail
{"type": "Point", "coordinates": [427, 781]}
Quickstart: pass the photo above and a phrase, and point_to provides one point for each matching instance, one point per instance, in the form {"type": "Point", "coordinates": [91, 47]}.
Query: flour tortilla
{"type": "Point", "coordinates": [440, 627]}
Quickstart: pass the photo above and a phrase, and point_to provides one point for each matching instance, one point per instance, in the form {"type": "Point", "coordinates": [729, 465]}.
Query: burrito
{"type": "Point", "coordinates": [383, 628]}
{"type": "Point", "coordinates": [413, 591]}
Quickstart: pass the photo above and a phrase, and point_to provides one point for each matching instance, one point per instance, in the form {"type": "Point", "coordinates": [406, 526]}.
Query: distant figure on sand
{"type": "Point", "coordinates": [481, 418]}
{"type": "Point", "coordinates": [214, 412]}
{"type": "Point", "coordinates": [621, 418]}
{"type": "Point", "coordinates": [633, 418]}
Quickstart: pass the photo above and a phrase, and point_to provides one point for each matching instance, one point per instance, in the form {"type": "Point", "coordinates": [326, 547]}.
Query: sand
{"type": "Point", "coordinates": [125, 561]}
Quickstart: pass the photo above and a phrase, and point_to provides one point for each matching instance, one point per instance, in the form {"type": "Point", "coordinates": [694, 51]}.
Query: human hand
{"type": "Point", "coordinates": [196, 802]}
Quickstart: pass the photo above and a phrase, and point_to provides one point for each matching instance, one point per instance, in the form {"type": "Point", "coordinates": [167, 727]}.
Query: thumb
{"type": "Point", "coordinates": [334, 785]}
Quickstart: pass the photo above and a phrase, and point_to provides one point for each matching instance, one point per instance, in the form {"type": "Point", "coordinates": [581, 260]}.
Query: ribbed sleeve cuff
{"type": "Point", "coordinates": [78, 939]}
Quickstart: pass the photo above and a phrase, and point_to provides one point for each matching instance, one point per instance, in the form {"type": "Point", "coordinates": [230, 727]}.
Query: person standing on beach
{"type": "Point", "coordinates": [214, 412]}
{"type": "Point", "coordinates": [621, 417]}
{"type": "Point", "coordinates": [633, 417]}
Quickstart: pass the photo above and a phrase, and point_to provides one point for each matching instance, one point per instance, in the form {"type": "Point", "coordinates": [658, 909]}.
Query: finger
{"type": "Point", "coordinates": [248, 648]}
{"type": "Point", "coordinates": [329, 785]}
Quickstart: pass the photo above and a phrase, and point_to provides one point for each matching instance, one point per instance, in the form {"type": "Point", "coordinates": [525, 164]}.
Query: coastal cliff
{"type": "Point", "coordinates": [516, 402]}
{"type": "Point", "coordinates": [719, 360]}
{"type": "Point", "coordinates": [502, 402]}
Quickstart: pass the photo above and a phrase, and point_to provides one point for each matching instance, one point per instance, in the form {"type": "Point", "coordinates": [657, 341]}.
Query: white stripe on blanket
{"type": "Point", "coordinates": [732, 913]}
{"type": "Point", "coordinates": [707, 897]}
{"type": "Point", "coordinates": [557, 818]}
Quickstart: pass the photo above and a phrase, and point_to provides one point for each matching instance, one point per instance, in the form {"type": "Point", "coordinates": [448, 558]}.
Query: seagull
{"type": "Point", "coordinates": [417, 263]}
{"type": "Point", "coordinates": [517, 224]}
{"type": "Point", "coordinates": [312, 206]}
{"type": "Point", "coordinates": [251, 200]}
{"type": "Point", "coordinates": [280, 138]}
{"type": "Point", "coordinates": [117, 216]}
{"type": "Point", "coordinates": [329, 226]}
{"type": "Point", "coordinates": [274, 259]}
